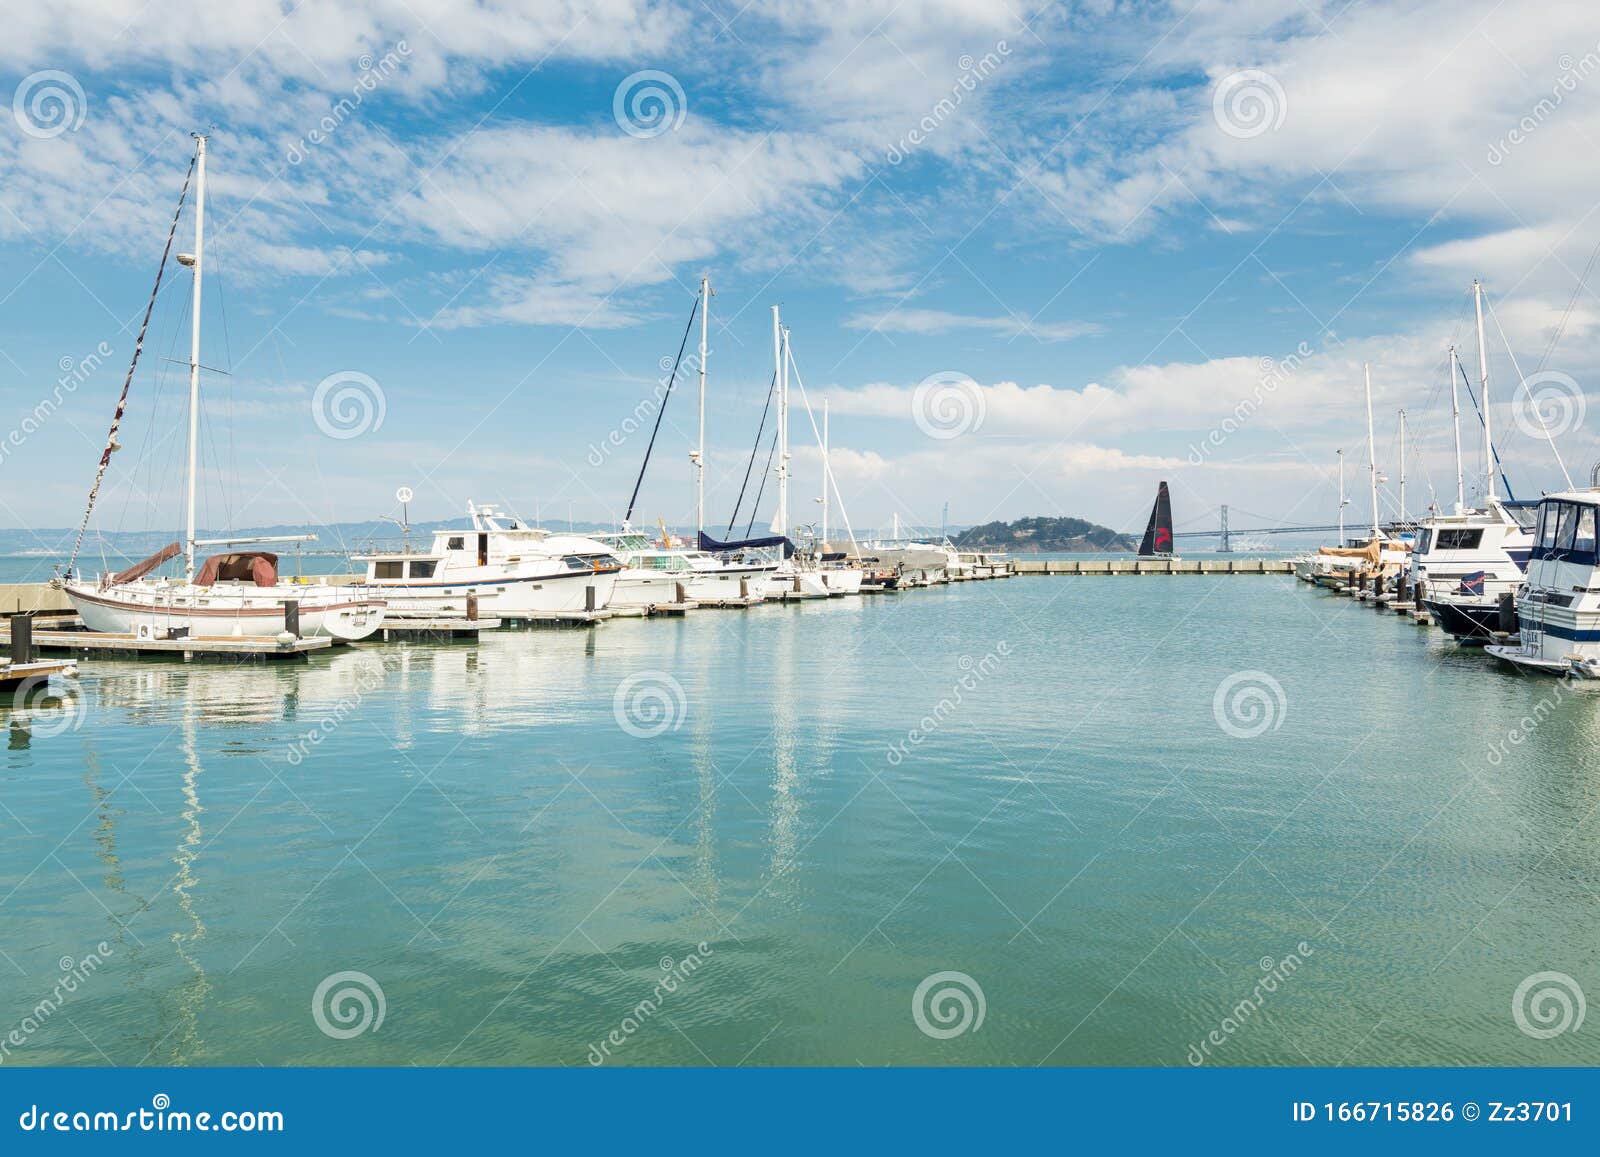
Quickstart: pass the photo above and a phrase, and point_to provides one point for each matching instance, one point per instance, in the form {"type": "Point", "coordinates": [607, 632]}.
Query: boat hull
{"type": "Point", "coordinates": [508, 597]}
{"type": "Point", "coordinates": [1467, 621]}
{"type": "Point", "coordinates": [134, 609]}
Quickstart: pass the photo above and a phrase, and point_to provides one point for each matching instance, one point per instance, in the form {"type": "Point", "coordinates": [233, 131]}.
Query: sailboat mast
{"type": "Point", "coordinates": [825, 474]}
{"type": "Point", "coordinates": [778, 388]}
{"type": "Point", "coordinates": [783, 442]}
{"type": "Point", "coordinates": [700, 446]}
{"type": "Point", "coordinates": [1402, 465]}
{"type": "Point", "coordinates": [1372, 453]}
{"type": "Point", "coordinates": [1483, 375]}
{"type": "Point", "coordinates": [1455, 420]}
{"type": "Point", "coordinates": [194, 350]}
{"type": "Point", "coordinates": [1343, 501]}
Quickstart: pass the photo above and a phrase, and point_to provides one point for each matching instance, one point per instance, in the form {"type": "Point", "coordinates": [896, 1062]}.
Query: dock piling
{"type": "Point", "coordinates": [21, 638]}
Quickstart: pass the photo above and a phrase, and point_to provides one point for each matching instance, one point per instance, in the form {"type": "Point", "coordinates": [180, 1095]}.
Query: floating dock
{"type": "Point", "coordinates": [13, 675]}
{"type": "Point", "coordinates": [1143, 566]}
{"type": "Point", "coordinates": [233, 648]}
{"type": "Point", "coordinates": [442, 630]}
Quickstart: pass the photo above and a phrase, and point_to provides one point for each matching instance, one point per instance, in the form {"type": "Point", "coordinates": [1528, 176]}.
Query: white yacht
{"type": "Point", "coordinates": [1465, 562]}
{"type": "Point", "coordinates": [230, 594]}
{"type": "Point", "coordinates": [653, 573]}
{"type": "Point", "coordinates": [513, 569]}
{"type": "Point", "coordinates": [1558, 606]}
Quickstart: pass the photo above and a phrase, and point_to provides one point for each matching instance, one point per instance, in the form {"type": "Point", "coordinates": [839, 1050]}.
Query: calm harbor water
{"type": "Point", "coordinates": [1032, 783]}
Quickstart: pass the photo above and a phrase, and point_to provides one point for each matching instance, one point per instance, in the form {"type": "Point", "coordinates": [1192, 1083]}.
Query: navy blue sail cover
{"type": "Point", "coordinates": [707, 543]}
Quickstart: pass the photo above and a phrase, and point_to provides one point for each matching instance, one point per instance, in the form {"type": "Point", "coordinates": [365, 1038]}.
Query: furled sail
{"type": "Point", "coordinates": [711, 545]}
{"type": "Point", "coordinates": [1158, 535]}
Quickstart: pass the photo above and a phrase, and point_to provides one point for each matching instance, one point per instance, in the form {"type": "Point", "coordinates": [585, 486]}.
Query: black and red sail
{"type": "Point", "coordinates": [1158, 535]}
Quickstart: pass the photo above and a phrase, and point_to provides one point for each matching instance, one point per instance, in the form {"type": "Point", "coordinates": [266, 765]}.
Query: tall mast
{"type": "Point", "coordinates": [699, 454]}
{"type": "Point", "coordinates": [783, 440]}
{"type": "Point", "coordinates": [1483, 375]}
{"type": "Point", "coordinates": [778, 384]}
{"type": "Point", "coordinates": [1455, 419]}
{"type": "Point", "coordinates": [194, 348]}
{"type": "Point", "coordinates": [1372, 453]}
{"type": "Point", "coordinates": [1343, 501]}
{"type": "Point", "coordinates": [1402, 465]}
{"type": "Point", "coordinates": [825, 475]}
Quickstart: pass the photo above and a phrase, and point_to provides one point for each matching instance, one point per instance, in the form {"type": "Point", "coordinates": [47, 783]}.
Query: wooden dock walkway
{"type": "Point", "coordinates": [233, 648]}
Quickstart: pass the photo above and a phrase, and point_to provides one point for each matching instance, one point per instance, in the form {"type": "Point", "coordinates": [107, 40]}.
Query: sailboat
{"type": "Point", "coordinates": [1381, 554]}
{"type": "Point", "coordinates": [1157, 541]}
{"type": "Point", "coordinates": [237, 593]}
{"type": "Point", "coordinates": [1468, 560]}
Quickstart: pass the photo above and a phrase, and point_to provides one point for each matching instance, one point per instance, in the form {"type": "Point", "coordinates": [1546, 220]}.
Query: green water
{"type": "Point", "coordinates": [1071, 827]}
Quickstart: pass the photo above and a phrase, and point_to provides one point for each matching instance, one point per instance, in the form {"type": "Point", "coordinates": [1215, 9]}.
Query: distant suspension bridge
{"type": "Point", "coordinates": [1224, 533]}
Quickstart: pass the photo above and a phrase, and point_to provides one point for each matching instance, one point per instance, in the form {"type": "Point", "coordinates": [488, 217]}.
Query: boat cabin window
{"type": "Point", "coordinates": [1585, 536]}
{"type": "Point", "coordinates": [388, 570]}
{"type": "Point", "coordinates": [1424, 541]}
{"type": "Point", "coordinates": [1547, 524]}
{"type": "Point", "coordinates": [1567, 526]}
{"type": "Point", "coordinates": [1466, 539]}
{"type": "Point", "coordinates": [421, 569]}
{"type": "Point", "coordinates": [456, 543]}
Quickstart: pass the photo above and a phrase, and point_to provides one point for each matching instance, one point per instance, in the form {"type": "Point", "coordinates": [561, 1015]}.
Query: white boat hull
{"type": "Point", "coordinates": [506, 596]}
{"type": "Point", "coordinates": [236, 609]}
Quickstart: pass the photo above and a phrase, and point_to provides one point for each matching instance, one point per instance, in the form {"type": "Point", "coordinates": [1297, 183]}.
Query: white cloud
{"type": "Point", "coordinates": [938, 321]}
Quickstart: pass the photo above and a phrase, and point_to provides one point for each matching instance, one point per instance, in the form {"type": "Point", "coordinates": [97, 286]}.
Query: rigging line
{"type": "Point", "coordinates": [661, 412]}
{"type": "Point", "coordinates": [756, 506]}
{"type": "Point", "coordinates": [1478, 410]}
{"type": "Point", "coordinates": [1561, 329]}
{"type": "Point", "coordinates": [145, 455]}
{"type": "Point", "coordinates": [827, 466]}
{"type": "Point", "coordinates": [227, 352]}
{"type": "Point", "coordinates": [754, 450]}
{"type": "Point", "coordinates": [122, 401]}
{"type": "Point", "coordinates": [1526, 389]}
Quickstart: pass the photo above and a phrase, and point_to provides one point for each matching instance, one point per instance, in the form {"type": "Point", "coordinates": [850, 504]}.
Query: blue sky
{"type": "Point", "coordinates": [1123, 242]}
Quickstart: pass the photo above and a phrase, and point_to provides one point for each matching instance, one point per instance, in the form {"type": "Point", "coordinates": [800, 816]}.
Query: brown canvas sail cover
{"type": "Point", "coordinates": [255, 566]}
{"type": "Point", "coordinates": [139, 570]}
